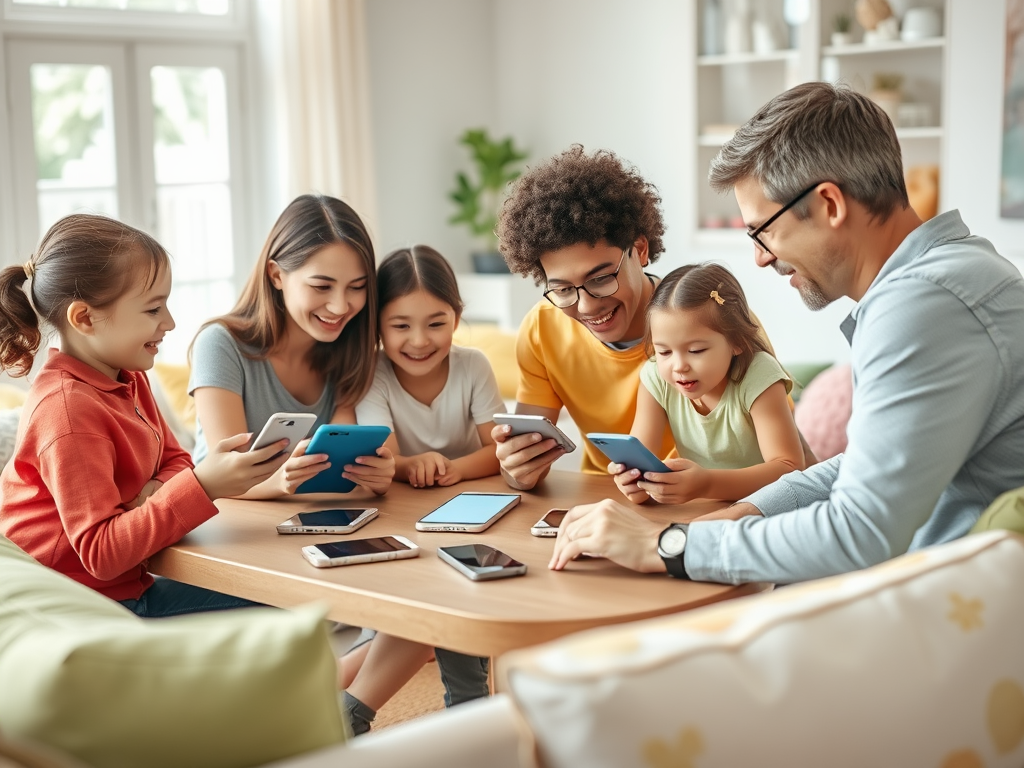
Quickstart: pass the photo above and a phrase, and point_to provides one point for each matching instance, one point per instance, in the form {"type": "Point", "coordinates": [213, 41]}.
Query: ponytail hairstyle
{"type": "Point", "coordinates": [713, 291]}
{"type": "Point", "coordinates": [417, 268]}
{"type": "Point", "coordinates": [83, 257]}
{"type": "Point", "coordinates": [258, 319]}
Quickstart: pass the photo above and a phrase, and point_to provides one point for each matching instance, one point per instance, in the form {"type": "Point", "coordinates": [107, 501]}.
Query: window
{"type": "Point", "coordinates": [148, 132]}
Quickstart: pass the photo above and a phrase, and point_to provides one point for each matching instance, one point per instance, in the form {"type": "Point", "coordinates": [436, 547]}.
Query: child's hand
{"type": "Point", "coordinates": [687, 480]}
{"type": "Point", "coordinates": [372, 472]}
{"type": "Point", "coordinates": [626, 479]}
{"type": "Point", "coordinates": [147, 490]}
{"type": "Point", "coordinates": [229, 472]}
{"type": "Point", "coordinates": [299, 467]}
{"type": "Point", "coordinates": [451, 476]}
{"type": "Point", "coordinates": [424, 468]}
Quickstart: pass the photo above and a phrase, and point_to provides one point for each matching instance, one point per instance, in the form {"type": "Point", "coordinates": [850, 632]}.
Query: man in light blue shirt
{"type": "Point", "coordinates": [937, 351]}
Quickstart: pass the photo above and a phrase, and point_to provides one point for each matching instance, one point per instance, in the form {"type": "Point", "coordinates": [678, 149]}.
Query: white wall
{"type": "Point", "coordinates": [613, 74]}
{"type": "Point", "coordinates": [432, 77]}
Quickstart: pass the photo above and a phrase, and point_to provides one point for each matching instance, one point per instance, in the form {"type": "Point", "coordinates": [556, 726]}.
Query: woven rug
{"type": "Point", "coordinates": [423, 694]}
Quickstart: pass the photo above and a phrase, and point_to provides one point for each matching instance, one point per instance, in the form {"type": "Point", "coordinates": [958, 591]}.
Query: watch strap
{"type": "Point", "coordinates": [674, 563]}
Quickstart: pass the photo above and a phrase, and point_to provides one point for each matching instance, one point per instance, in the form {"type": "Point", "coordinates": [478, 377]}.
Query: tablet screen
{"type": "Point", "coordinates": [470, 509]}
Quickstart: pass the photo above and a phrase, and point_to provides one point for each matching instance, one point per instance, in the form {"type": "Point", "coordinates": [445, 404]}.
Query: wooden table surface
{"type": "Point", "coordinates": [424, 599]}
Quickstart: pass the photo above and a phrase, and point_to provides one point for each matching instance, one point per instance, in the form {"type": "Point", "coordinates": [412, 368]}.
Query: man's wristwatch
{"type": "Point", "coordinates": [671, 545]}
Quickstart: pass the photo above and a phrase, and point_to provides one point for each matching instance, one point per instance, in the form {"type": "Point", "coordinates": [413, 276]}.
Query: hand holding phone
{"type": "Point", "coordinates": [524, 424]}
{"type": "Point", "coordinates": [343, 444]}
{"type": "Point", "coordinates": [480, 562]}
{"type": "Point", "coordinates": [628, 451]}
{"type": "Point", "coordinates": [328, 521]}
{"type": "Point", "coordinates": [547, 526]}
{"type": "Point", "coordinates": [360, 551]}
{"type": "Point", "coordinates": [290, 426]}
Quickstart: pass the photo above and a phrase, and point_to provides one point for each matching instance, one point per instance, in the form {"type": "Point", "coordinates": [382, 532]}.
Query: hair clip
{"type": "Point", "coordinates": [716, 297]}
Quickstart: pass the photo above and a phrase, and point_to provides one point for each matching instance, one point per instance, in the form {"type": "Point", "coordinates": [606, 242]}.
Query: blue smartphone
{"type": "Point", "coordinates": [626, 449]}
{"type": "Point", "coordinates": [343, 443]}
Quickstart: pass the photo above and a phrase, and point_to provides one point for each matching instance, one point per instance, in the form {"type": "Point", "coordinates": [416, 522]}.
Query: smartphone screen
{"type": "Point", "coordinates": [333, 517]}
{"type": "Point", "coordinates": [335, 549]}
{"type": "Point", "coordinates": [469, 508]}
{"type": "Point", "coordinates": [481, 558]}
{"type": "Point", "coordinates": [554, 518]}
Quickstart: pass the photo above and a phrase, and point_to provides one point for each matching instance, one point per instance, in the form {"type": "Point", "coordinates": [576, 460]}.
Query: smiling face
{"type": "Point", "coordinates": [416, 333]}
{"type": "Point", "coordinates": [801, 249]}
{"type": "Point", "coordinates": [619, 317]}
{"type": "Point", "coordinates": [127, 334]}
{"type": "Point", "coordinates": [692, 357]}
{"type": "Point", "coordinates": [322, 295]}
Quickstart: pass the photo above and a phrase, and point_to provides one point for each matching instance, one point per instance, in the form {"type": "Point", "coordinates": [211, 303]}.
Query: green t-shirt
{"type": "Point", "coordinates": [725, 438]}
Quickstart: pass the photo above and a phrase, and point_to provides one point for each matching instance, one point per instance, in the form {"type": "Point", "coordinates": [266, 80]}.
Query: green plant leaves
{"type": "Point", "coordinates": [495, 165]}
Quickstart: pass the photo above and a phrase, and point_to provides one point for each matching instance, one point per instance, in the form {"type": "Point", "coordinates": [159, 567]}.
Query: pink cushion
{"type": "Point", "coordinates": [824, 409]}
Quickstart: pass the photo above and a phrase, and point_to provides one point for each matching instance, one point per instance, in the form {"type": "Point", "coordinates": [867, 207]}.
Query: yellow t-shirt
{"type": "Point", "coordinates": [562, 363]}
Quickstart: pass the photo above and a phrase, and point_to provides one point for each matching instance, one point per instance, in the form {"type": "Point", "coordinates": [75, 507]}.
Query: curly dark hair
{"type": "Point", "coordinates": [577, 198]}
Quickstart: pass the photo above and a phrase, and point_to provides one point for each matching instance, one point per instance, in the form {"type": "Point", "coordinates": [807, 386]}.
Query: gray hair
{"type": "Point", "coordinates": [817, 132]}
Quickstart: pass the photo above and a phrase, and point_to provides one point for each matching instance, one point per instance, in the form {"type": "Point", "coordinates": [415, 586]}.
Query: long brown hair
{"type": "Point", "coordinates": [307, 225]}
{"type": "Point", "coordinates": [82, 257]}
{"type": "Point", "coordinates": [713, 291]}
{"type": "Point", "coordinates": [408, 270]}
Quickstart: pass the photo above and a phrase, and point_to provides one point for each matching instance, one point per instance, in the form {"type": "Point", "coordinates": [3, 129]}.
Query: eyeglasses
{"type": "Point", "coordinates": [598, 287]}
{"type": "Point", "coordinates": [754, 234]}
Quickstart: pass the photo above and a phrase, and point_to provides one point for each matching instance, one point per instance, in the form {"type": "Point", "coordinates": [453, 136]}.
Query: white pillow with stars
{"type": "Point", "coordinates": [916, 662]}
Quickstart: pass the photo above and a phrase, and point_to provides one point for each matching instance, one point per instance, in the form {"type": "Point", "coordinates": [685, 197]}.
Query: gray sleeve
{"type": "Point", "coordinates": [217, 361]}
{"type": "Point", "coordinates": [797, 489]}
{"type": "Point", "coordinates": [486, 397]}
{"type": "Point", "coordinates": [919, 406]}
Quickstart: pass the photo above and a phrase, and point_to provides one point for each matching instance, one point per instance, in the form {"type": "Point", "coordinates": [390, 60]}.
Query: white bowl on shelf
{"type": "Point", "coordinates": [920, 24]}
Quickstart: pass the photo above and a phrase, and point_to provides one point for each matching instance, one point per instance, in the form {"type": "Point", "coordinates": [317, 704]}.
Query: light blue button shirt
{"type": "Point", "coordinates": [937, 430]}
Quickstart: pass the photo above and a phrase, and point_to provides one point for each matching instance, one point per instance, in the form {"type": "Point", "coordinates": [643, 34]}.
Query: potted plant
{"type": "Point", "coordinates": [841, 29]}
{"type": "Point", "coordinates": [886, 93]}
{"type": "Point", "coordinates": [496, 163]}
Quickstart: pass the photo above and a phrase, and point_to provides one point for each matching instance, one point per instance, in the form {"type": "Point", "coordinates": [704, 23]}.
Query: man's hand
{"type": "Point", "coordinates": [524, 459]}
{"type": "Point", "coordinates": [611, 530]}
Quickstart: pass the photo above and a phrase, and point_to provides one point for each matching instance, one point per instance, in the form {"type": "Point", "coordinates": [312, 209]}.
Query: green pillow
{"type": "Point", "coordinates": [1005, 513]}
{"type": "Point", "coordinates": [83, 674]}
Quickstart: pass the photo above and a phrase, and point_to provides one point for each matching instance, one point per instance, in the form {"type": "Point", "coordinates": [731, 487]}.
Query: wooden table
{"type": "Point", "coordinates": [424, 599]}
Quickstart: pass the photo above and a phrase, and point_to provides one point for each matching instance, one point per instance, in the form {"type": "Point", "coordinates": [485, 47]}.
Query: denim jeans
{"type": "Point", "coordinates": [464, 677]}
{"type": "Point", "coordinates": [166, 597]}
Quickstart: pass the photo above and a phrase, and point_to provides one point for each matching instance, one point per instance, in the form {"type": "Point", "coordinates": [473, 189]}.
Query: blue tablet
{"type": "Point", "coordinates": [343, 443]}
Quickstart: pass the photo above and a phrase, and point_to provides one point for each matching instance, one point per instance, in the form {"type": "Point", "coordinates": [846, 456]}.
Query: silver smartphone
{"type": "Point", "coordinates": [480, 562]}
{"type": "Point", "coordinates": [548, 525]}
{"type": "Point", "coordinates": [328, 521]}
{"type": "Point", "coordinates": [360, 551]}
{"type": "Point", "coordinates": [524, 424]}
{"type": "Point", "coordinates": [294, 426]}
{"type": "Point", "coordinates": [470, 512]}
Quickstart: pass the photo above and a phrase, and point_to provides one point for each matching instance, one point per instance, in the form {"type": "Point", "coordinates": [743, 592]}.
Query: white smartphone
{"type": "Point", "coordinates": [470, 512]}
{"type": "Point", "coordinates": [328, 521]}
{"type": "Point", "coordinates": [548, 525]}
{"type": "Point", "coordinates": [360, 551]}
{"type": "Point", "coordinates": [293, 426]}
{"type": "Point", "coordinates": [524, 424]}
{"type": "Point", "coordinates": [480, 562]}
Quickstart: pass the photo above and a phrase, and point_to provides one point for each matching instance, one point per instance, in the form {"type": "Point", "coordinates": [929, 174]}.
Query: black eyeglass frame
{"type": "Point", "coordinates": [614, 275]}
{"type": "Point", "coordinates": [753, 234]}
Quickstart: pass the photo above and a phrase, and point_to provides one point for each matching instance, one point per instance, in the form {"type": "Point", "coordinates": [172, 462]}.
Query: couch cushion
{"type": "Point", "coordinates": [83, 674]}
{"type": "Point", "coordinates": [913, 662]}
{"type": "Point", "coordinates": [1005, 513]}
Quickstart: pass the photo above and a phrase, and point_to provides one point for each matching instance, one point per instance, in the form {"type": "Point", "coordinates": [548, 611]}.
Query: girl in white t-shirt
{"type": "Point", "coordinates": [714, 382]}
{"type": "Point", "coordinates": [437, 398]}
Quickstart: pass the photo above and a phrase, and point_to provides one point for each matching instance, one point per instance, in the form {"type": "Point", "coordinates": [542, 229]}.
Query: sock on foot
{"type": "Point", "coordinates": [359, 715]}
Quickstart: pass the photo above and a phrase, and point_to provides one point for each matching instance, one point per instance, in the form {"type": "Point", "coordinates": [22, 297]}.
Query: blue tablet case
{"type": "Point", "coordinates": [343, 443]}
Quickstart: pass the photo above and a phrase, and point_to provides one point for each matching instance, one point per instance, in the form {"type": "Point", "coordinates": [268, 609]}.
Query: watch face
{"type": "Point", "coordinates": [673, 541]}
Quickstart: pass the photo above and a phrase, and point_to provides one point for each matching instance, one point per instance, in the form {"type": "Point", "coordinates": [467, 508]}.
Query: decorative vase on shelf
{"type": "Point", "coordinates": [841, 38]}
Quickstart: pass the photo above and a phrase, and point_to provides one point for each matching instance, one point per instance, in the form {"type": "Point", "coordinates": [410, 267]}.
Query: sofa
{"type": "Point", "coordinates": [913, 662]}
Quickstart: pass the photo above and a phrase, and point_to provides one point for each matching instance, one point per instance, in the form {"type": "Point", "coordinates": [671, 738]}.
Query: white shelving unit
{"type": "Point", "coordinates": [730, 87]}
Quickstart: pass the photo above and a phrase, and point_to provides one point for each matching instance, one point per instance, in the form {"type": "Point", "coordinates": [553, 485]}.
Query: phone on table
{"type": "Point", "coordinates": [342, 443]}
{"type": "Point", "coordinates": [480, 562]}
{"type": "Point", "coordinates": [328, 521]}
{"type": "Point", "coordinates": [470, 511]}
{"type": "Point", "coordinates": [360, 551]}
{"type": "Point", "coordinates": [548, 525]}
{"type": "Point", "coordinates": [627, 450]}
{"type": "Point", "coordinates": [524, 424]}
{"type": "Point", "coordinates": [293, 426]}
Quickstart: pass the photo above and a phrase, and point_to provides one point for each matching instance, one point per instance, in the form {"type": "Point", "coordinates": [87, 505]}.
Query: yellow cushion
{"type": "Point", "coordinates": [913, 662]}
{"type": "Point", "coordinates": [174, 381]}
{"type": "Point", "coordinates": [1006, 512]}
{"type": "Point", "coordinates": [500, 349]}
{"type": "Point", "coordinates": [11, 395]}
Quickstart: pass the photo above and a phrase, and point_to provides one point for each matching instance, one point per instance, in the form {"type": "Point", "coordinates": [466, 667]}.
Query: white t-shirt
{"type": "Point", "coordinates": [449, 424]}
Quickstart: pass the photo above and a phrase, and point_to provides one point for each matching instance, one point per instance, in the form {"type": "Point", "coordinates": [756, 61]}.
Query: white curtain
{"type": "Point", "coordinates": [315, 63]}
